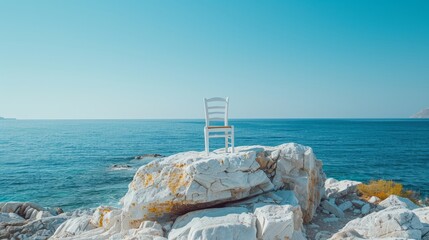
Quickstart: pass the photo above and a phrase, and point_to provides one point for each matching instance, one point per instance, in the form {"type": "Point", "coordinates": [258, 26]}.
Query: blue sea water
{"type": "Point", "coordinates": [66, 163]}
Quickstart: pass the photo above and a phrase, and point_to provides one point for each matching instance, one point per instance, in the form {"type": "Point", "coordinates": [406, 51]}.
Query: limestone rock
{"type": "Point", "coordinates": [279, 222]}
{"type": "Point", "coordinates": [187, 181]}
{"type": "Point", "coordinates": [299, 170]}
{"type": "Point", "coordinates": [170, 187]}
{"type": "Point", "coordinates": [365, 209]}
{"type": "Point", "coordinates": [73, 227]}
{"type": "Point", "coordinates": [345, 205]}
{"type": "Point", "coordinates": [332, 208]}
{"type": "Point", "coordinates": [10, 218]}
{"type": "Point", "coordinates": [278, 213]}
{"type": "Point", "coordinates": [358, 203]}
{"type": "Point", "coordinates": [330, 181]}
{"type": "Point", "coordinates": [220, 223]}
{"type": "Point", "coordinates": [374, 199]}
{"type": "Point", "coordinates": [351, 234]}
{"type": "Point", "coordinates": [340, 188]}
{"type": "Point", "coordinates": [105, 217]}
{"type": "Point", "coordinates": [42, 214]}
{"type": "Point", "coordinates": [393, 222]}
{"type": "Point", "coordinates": [423, 215]}
{"type": "Point", "coordinates": [11, 207]}
{"type": "Point", "coordinates": [394, 200]}
{"type": "Point", "coordinates": [148, 230]}
{"type": "Point", "coordinates": [36, 229]}
{"type": "Point", "coordinates": [323, 235]}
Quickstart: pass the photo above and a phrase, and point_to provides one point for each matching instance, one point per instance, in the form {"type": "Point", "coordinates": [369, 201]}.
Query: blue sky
{"type": "Point", "coordinates": [158, 59]}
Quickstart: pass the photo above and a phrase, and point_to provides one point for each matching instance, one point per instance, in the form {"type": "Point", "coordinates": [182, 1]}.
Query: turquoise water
{"type": "Point", "coordinates": [66, 163]}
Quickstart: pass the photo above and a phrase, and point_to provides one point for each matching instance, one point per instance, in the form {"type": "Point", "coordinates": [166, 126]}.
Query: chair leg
{"type": "Point", "coordinates": [206, 141]}
{"type": "Point", "coordinates": [232, 139]}
{"type": "Point", "coordinates": [226, 141]}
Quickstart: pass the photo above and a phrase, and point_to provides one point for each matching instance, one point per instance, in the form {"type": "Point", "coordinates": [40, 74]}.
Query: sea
{"type": "Point", "coordinates": [68, 163]}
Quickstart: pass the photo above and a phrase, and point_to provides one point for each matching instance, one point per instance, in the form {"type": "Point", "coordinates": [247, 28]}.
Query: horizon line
{"type": "Point", "coordinates": [267, 118]}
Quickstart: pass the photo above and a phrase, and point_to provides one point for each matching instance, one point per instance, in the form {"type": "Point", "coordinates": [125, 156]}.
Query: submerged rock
{"type": "Point", "coordinates": [116, 167]}
{"type": "Point", "coordinates": [145, 156]}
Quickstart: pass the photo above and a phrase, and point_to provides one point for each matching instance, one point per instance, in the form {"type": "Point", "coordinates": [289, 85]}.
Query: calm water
{"type": "Point", "coordinates": [67, 163]}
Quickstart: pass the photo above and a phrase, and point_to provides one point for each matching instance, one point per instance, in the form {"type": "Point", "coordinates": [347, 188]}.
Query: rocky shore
{"type": "Point", "coordinates": [258, 192]}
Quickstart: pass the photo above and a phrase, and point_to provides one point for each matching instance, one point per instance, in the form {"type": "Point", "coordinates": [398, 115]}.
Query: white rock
{"type": "Point", "coordinates": [37, 229]}
{"type": "Point", "coordinates": [365, 209]}
{"type": "Point", "coordinates": [423, 215]}
{"type": "Point", "coordinates": [330, 181]}
{"type": "Point", "coordinates": [299, 170]}
{"type": "Point", "coordinates": [279, 222]}
{"type": "Point", "coordinates": [148, 230]}
{"type": "Point", "coordinates": [188, 181]}
{"type": "Point", "coordinates": [10, 207]}
{"type": "Point", "coordinates": [42, 214]}
{"type": "Point", "coordinates": [322, 235]}
{"type": "Point", "coordinates": [34, 214]}
{"type": "Point", "coordinates": [215, 223]}
{"type": "Point", "coordinates": [278, 214]}
{"type": "Point", "coordinates": [340, 188]}
{"type": "Point", "coordinates": [10, 218]}
{"type": "Point", "coordinates": [345, 205]}
{"type": "Point", "coordinates": [332, 208]}
{"type": "Point", "coordinates": [393, 222]}
{"type": "Point", "coordinates": [105, 217]}
{"type": "Point", "coordinates": [394, 200]}
{"type": "Point", "coordinates": [373, 199]}
{"type": "Point", "coordinates": [73, 227]}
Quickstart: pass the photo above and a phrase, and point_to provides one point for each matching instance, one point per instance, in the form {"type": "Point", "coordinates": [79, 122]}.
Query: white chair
{"type": "Point", "coordinates": [216, 110]}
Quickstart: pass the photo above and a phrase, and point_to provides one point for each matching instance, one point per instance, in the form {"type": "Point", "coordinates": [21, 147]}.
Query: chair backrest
{"type": "Point", "coordinates": [216, 110]}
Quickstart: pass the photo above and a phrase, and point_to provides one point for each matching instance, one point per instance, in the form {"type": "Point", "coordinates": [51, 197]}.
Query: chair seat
{"type": "Point", "coordinates": [214, 127]}
{"type": "Point", "coordinates": [221, 136]}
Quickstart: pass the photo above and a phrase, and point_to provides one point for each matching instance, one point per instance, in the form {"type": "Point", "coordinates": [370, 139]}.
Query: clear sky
{"type": "Point", "coordinates": [158, 59]}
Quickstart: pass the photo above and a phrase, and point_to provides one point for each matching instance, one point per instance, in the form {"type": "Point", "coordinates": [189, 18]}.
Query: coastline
{"type": "Point", "coordinates": [287, 179]}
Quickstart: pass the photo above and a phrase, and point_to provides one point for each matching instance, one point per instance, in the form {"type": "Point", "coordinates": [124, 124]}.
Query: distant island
{"type": "Point", "coordinates": [422, 114]}
{"type": "Point", "coordinates": [3, 118]}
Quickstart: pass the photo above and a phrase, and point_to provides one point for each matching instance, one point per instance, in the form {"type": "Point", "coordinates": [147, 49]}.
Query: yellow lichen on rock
{"type": "Point", "coordinates": [177, 178]}
{"type": "Point", "coordinates": [148, 180]}
{"type": "Point", "coordinates": [159, 209]}
{"type": "Point", "coordinates": [100, 220]}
